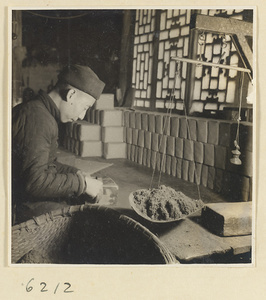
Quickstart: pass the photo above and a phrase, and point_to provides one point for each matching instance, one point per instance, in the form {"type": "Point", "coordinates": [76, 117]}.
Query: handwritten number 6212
{"type": "Point", "coordinates": [29, 287]}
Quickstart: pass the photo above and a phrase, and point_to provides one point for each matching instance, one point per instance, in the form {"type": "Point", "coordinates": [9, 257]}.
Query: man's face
{"type": "Point", "coordinates": [76, 106]}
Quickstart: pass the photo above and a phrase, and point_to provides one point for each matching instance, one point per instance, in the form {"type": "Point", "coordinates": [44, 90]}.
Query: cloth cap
{"type": "Point", "coordinates": [82, 78]}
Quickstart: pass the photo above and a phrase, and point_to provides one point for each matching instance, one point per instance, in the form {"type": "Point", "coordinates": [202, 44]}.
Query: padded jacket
{"type": "Point", "coordinates": [36, 174]}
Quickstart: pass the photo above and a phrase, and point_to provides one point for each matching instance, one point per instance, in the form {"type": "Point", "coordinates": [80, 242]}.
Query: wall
{"type": "Point", "coordinates": [197, 149]}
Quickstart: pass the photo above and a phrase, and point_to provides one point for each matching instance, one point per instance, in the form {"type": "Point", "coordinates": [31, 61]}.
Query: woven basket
{"type": "Point", "coordinates": [86, 234]}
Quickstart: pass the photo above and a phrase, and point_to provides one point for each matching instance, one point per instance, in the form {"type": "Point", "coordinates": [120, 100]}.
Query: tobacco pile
{"type": "Point", "coordinates": [165, 203]}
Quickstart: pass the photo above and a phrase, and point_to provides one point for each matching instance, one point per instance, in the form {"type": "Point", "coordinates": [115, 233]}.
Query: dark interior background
{"type": "Point", "coordinates": [89, 37]}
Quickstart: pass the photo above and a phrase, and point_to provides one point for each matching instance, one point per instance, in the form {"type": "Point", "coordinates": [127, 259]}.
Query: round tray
{"type": "Point", "coordinates": [143, 215]}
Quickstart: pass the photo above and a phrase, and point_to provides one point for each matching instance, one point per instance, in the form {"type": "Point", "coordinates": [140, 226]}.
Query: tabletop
{"type": "Point", "coordinates": [187, 239]}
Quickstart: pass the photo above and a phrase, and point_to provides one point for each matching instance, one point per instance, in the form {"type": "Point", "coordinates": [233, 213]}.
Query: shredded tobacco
{"type": "Point", "coordinates": [165, 203]}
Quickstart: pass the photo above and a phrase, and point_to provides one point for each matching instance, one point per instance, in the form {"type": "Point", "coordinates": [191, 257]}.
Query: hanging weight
{"type": "Point", "coordinates": [236, 153]}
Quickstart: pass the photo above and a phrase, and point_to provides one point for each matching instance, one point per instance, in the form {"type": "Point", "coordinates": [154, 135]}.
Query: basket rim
{"type": "Point", "coordinates": [69, 211]}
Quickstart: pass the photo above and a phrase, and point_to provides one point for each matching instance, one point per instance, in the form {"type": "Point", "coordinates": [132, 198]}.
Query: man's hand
{"type": "Point", "coordinates": [94, 188]}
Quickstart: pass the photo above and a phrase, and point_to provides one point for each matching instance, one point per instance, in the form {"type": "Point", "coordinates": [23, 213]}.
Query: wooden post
{"type": "Point", "coordinates": [18, 53]}
{"type": "Point", "coordinates": [190, 80]}
{"type": "Point", "coordinates": [126, 59]}
{"type": "Point", "coordinates": [155, 60]}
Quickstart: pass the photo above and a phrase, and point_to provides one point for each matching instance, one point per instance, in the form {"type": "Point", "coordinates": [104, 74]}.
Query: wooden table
{"type": "Point", "coordinates": [187, 239]}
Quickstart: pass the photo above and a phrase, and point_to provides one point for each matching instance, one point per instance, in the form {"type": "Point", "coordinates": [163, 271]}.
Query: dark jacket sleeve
{"type": "Point", "coordinates": [42, 178]}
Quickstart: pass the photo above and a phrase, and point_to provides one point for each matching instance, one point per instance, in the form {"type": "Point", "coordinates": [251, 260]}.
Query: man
{"type": "Point", "coordinates": [40, 183]}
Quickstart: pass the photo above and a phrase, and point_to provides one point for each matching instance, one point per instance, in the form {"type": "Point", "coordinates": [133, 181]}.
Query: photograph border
{"type": "Point", "coordinates": [171, 269]}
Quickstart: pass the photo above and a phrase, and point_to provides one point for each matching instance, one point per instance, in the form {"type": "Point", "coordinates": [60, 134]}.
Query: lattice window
{"type": "Point", "coordinates": [170, 35]}
{"type": "Point", "coordinates": [143, 55]}
{"type": "Point", "coordinates": [215, 87]}
{"type": "Point", "coordinates": [232, 13]}
{"type": "Point", "coordinates": [173, 41]}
